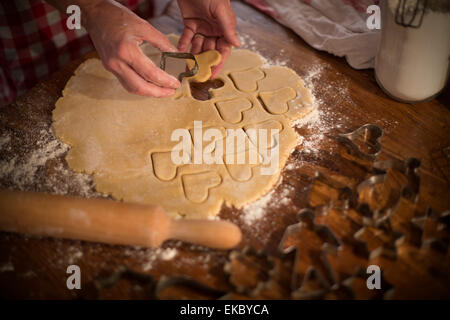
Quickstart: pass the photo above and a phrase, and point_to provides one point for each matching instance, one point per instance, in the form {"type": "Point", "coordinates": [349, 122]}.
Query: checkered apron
{"type": "Point", "coordinates": [35, 42]}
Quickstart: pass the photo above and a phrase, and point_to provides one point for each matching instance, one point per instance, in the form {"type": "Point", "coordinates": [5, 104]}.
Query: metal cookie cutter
{"type": "Point", "coordinates": [369, 134]}
{"type": "Point", "coordinates": [179, 55]}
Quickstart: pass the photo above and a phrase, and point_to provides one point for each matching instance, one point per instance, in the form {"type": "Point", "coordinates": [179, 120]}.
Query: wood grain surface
{"type": "Point", "coordinates": [348, 99]}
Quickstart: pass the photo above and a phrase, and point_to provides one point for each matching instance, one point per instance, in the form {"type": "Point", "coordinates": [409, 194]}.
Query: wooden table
{"type": "Point", "coordinates": [36, 268]}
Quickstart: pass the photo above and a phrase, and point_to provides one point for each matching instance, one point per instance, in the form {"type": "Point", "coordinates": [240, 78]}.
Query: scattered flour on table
{"type": "Point", "coordinates": [151, 256]}
{"type": "Point", "coordinates": [322, 119]}
{"type": "Point", "coordinates": [256, 210]}
{"type": "Point", "coordinates": [73, 254]}
{"type": "Point", "coordinates": [8, 266]}
{"type": "Point", "coordinates": [250, 44]}
{"type": "Point", "coordinates": [4, 140]}
{"type": "Point", "coordinates": [64, 255]}
{"type": "Point", "coordinates": [21, 170]}
{"type": "Point", "coordinates": [277, 197]}
{"type": "Point", "coordinates": [29, 274]}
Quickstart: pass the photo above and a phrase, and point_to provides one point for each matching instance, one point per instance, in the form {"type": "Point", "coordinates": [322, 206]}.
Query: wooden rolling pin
{"type": "Point", "coordinates": [107, 221]}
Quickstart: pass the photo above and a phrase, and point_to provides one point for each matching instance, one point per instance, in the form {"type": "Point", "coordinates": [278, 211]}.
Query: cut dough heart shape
{"type": "Point", "coordinates": [196, 186]}
{"type": "Point", "coordinates": [232, 110]}
{"type": "Point", "coordinates": [125, 141]}
{"type": "Point", "coordinates": [210, 139]}
{"type": "Point", "coordinates": [247, 81]}
{"type": "Point", "coordinates": [276, 102]}
{"type": "Point", "coordinates": [163, 166]}
{"type": "Point", "coordinates": [243, 172]}
{"type": "Point", "coordinates": [271, 128]}
{"type": "Point", "coordinates": [239, 172]}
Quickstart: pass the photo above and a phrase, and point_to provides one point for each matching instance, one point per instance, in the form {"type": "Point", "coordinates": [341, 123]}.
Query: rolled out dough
{"type": "Point", "coordinates": [124, 140]}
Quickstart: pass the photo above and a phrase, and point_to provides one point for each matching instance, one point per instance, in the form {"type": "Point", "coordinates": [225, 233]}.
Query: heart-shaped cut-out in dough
{"type": "Point", "coordinates": [163, 166]}
{"type": "Point", "coordinates": [196, 185]}
{"type": "Point", "coordinates": [209, 137]}
{"type": "Point", "coordinates": [232, 110]}
{"type": "Point", "coordinates": [239, 172]}
{"type": "Point", "coordinates": [247, 81]}
{"type": "Point", "coordinates": [253, 133]}
{"type": "Point", "coordinates": [276, 102]}
{"type": "Point", "coordinates": [236, 142]}
{"type": "Point", "coordinates": [242, 166]}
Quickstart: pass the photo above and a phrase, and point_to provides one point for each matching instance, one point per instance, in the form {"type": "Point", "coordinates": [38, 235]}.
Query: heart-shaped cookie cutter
{"type": "Point", "coordinates": [370, 134]}
{"type": "Point", "coordinates": [179, 55]}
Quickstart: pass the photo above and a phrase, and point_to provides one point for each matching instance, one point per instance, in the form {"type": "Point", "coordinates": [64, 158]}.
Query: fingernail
{"type": "Point", "coordinates": [175, 83]}
{"type": "Point", "coordinates": [237, 41]}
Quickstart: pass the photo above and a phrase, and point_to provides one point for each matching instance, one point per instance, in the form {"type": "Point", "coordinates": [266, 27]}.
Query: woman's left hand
{"type": "Point", "coordinates": [208, 25]}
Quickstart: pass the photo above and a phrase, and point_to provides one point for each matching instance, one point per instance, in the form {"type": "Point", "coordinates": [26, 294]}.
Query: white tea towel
{"type": "Point", "coordinates": [337, 26]}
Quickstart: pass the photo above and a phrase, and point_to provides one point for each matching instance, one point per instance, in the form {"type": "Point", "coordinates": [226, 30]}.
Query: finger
{"type": "Point", "coordinates": [185, 39]}
{"type": "Point", "coordinates": [148, 33]}
{"type": "Point", "coordinates": [225, 49]}
{"type": "Point", "coordinates": [209, 43]}
{"type": "Point", "coordinates": [227, 22]}
{"type": "Point", "coordinates": [145, 67]}
{"type": "Point", "coordinates": [197, 44]}
{"type": "Point", "coordinates": [133, 83]}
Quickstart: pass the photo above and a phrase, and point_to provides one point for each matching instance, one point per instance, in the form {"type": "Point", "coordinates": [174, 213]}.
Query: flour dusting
{"type": "Point", "coordinates": [21, 170]}
{"type": "Point", "coordinates": [8, 266]}
{"type": "Point", "coordinates": [256, 210]}
{"type": "Point", "coordinates": [151, 256]}
{"type": "Point", "coordinates": [254, 213]}
{"type": "Point", "coordinates": [250, 44]}
{"type": "Point", "coordinates": [4, 140]}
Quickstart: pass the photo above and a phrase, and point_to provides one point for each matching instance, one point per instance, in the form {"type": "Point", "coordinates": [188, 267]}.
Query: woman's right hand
{"type": "Point", "coordinates": [117, 33]}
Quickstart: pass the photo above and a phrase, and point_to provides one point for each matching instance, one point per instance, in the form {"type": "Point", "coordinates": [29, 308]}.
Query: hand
{"type": "Point", "coordinates": [208, 25]}
{"type": "Point", "coordinates": [116, 33]}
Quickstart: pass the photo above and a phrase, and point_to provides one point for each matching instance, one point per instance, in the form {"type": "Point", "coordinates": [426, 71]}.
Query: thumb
{"type": "Point", "coordinates": [150, 34]}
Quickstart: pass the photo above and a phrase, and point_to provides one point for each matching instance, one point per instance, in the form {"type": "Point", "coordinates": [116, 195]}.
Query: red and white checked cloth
{"type": "Point", "coordinates": [35, 41]}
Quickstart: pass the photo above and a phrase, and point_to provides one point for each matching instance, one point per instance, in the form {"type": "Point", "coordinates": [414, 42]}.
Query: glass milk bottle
{"type": "Point", "coordinates": [412, 63]}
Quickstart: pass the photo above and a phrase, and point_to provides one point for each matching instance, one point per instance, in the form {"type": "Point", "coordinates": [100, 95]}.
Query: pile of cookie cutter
{"type": "Point", "coordinates": [257, 274]}
{"type": "Point", "coordinates": [154, 288]}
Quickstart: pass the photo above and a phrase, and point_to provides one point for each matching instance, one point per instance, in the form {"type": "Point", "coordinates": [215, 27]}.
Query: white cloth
{"type": "Point", "coordinates": [336, 26]}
